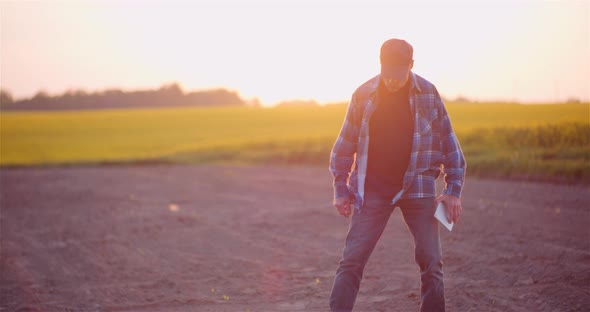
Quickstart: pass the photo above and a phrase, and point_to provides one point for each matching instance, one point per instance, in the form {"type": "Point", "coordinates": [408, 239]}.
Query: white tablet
{"type": "Point", "coordinates": [441, 215]}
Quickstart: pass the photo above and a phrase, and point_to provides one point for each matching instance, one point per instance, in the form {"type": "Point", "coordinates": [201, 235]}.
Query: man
{"type": "Point", "coordinates": [395, 137]}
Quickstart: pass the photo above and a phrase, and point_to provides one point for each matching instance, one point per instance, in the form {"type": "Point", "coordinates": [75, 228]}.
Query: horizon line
{"type": "Point", "coordinates": [458, 98]}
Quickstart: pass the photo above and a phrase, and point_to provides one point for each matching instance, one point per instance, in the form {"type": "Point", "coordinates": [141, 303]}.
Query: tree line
{"type": "Point", "coordinates": [166, 96]}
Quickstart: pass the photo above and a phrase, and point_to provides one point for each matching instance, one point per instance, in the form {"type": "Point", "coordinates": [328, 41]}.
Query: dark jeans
{"type": "Point", "coordinates": [364, 232]}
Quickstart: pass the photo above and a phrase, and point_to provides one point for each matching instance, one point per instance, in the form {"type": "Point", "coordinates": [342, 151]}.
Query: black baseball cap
{"type": "Point", "coordinates": [396, 57]}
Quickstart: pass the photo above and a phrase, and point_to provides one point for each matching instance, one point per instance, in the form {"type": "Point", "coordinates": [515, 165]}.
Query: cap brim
{"type": "Point", "coordinates": [398, 72]}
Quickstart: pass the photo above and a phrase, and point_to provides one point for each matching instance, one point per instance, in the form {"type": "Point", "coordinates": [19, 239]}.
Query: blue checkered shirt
{"type": "Point", "coordinates": [435, 148]}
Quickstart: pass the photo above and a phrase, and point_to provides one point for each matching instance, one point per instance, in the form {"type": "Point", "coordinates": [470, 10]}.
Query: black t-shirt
{"type": "Point", "coordinates": [391, 131]}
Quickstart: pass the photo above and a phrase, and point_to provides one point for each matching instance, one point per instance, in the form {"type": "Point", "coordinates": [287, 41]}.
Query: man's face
{"type": "Point", "coordinates": [395, 82]}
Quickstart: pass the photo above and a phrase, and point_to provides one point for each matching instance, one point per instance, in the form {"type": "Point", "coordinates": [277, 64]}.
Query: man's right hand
{"type": "Point", "coordinates": [344, 206]}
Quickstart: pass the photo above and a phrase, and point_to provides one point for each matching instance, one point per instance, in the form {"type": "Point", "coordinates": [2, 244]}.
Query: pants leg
{"type": "Point", "coordinates": [364, 231]}
{"type": "Point", "coordinates": [419, 216]}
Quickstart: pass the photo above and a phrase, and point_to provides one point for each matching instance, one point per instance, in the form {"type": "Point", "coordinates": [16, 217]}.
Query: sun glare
{"type": "Point", "coordinates": [524, 51]}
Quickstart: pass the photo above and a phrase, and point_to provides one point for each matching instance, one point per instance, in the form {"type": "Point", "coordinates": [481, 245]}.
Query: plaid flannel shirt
{"type": "Point", "coordinates": [435, 147]}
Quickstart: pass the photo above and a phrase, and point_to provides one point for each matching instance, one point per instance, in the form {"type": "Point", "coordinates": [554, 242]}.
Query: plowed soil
{"type": "Point", "coordinates": [231, 238]}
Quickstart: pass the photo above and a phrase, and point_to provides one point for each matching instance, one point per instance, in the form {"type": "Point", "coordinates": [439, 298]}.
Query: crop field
{"type": "Point", "coordinates": [540, 142]}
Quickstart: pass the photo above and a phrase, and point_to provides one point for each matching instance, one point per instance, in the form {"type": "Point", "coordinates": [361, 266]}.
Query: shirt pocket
{"type": "Point", "coordinates": [426, 118]}
{"type": "Point", "coordinates": [424, 126]}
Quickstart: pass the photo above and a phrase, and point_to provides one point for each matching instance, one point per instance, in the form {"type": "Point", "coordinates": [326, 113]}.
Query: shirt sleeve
{"type": "Point", "coordinates": [344, 150]}
{"type": "Point", "coordinates": [453, 158]}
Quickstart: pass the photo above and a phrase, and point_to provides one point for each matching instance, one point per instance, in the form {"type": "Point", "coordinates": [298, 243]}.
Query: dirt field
{"type": "Point", "coordinates": [224, 238]}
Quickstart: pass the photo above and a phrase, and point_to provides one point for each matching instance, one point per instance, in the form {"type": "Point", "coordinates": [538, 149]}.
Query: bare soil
{"type": "Point", "coordinates": [232, 238]}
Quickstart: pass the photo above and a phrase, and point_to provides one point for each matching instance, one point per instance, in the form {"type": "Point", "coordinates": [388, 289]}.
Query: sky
{"type": "Point", "coordinates": [527, 51]}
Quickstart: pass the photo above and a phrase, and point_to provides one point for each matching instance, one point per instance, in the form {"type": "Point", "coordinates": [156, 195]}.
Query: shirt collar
{"type": "Point", "coordinates": [413, 83]}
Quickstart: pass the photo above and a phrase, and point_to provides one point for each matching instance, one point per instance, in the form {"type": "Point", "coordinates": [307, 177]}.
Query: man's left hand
{"type": "Point", "coordinates": [453, 205]}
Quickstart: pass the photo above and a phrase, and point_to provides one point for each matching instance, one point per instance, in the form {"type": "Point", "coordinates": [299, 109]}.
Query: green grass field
{"type": "Point", "coordinates": [541, 142]}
